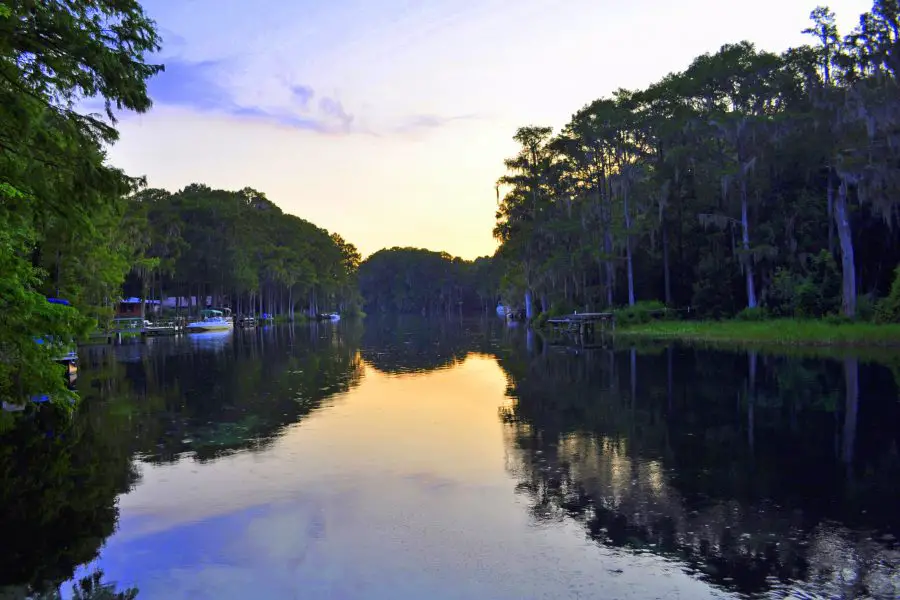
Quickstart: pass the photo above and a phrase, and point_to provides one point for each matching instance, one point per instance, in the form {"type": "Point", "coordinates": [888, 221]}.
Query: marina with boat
{"type": "Point", "coordinates": [136, 319]}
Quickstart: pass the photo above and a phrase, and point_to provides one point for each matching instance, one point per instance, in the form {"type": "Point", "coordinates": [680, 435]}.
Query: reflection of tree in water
{"type": "Point", "coordinates": [61, 476]}
{"type": "Point", "coordinates": [752, 482]}
{"type": "Point", "coordinates": [91, 587]}
{"type": "Point", "coordinates": [238, 396]}
{"type": "Point", "coordinates": [410, 344]}
{"type": "Point", "coordinates": [59, 479]}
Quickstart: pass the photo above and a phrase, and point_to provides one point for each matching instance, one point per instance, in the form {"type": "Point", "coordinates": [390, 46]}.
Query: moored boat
{"type": "Point", "coordinates": [212, 320]}
{"type": "Point", "coordinates": [69, 355]}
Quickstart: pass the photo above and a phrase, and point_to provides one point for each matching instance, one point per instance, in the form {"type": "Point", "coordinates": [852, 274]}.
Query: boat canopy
{"type": "Point", "coordinates": [135, 300]}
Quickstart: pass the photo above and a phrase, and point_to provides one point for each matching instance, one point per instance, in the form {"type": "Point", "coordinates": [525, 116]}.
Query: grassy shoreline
{"type": "Point", "coordinates": [776, 332]}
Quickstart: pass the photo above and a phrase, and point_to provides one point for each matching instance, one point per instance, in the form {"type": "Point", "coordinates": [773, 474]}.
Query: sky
{"type": "Point", "coordinates": [387, 121]}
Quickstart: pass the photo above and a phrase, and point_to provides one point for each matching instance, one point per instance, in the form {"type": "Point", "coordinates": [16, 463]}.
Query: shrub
{"type": "Point", "coordinates": [781, 297]}
{"type": "Point", "coordinates": [837, 320]}
{"type": "Point", "coordinates": [815, 292]}
{"type": "Point", "coordinates": [752, 314]}
{"type": "Point", "coordinates": [641, 312]}
{"type": "Point", "coordinates": [713, 291]}
{"type": "Point", "coordinates": [866, 305]}
{"type": "Point", "coordinates": [563, 307]}
{"type": "Point", "coordinates": [888, 308]}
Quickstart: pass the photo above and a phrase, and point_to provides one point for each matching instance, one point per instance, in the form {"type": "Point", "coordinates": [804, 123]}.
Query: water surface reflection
{"type": "Point", "coordinates": [337, 460]}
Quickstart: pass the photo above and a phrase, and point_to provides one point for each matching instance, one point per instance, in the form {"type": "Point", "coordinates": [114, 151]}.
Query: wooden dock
{"type": "Point", "coordinates": [583, 326]}
{"type": "Point", "coordinates": [163, 329]}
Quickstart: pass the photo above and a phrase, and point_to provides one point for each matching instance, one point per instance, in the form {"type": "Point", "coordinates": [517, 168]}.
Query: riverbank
{"type": "Point", "coordinates": [784, 332]}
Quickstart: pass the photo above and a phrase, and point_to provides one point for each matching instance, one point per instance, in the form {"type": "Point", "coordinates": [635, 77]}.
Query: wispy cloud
{"type": "Point", "coordinates": [334, 109]}
{"type": "Point", "coordinates": [204, 86]}
{"type": "Point", "coordinates": [303, 94]}
{"type": "Point", "coordinates": [425, 122]}
{"type": "Point", "coordinates": [335, 69]}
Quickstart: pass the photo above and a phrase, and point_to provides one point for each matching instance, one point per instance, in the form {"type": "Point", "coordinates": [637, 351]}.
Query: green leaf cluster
{"type": "Point", "coordinates": [61, 205]}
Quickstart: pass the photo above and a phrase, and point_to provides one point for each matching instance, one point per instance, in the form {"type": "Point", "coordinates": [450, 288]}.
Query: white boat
{"type": "Point", "coordinates": [212, 320]}
{"type": "Point", "coordinates": [333, 316]}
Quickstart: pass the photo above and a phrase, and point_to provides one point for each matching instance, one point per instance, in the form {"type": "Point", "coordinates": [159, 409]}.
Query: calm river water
{"type": "Point", "coordinates": [408, 459]}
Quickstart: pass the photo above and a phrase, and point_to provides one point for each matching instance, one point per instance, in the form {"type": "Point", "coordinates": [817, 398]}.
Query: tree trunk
{"type": "Point", "coordinates": [831, 211]}
{"type": "Point", "coordinates": [628, 259]}
{"type": "Point", "coordinates": [529, 305]}
{"type": "Point", "coordinates": [745, 242]}
{"type": "Point", "coordinates": [610, 270]}
{"type": "Point", "coordinates": [607, 244]}
{"type": "Point", "coordinates": [291, 303]}
{"type": "Point", "coordinates": [848, 265]}
{"type": "Point", "coordinates": [667, 281]}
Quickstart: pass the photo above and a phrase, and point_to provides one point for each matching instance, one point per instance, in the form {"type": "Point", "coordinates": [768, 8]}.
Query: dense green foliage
{"type": "Point", "coordinates": [415, 280]}
{"type": "Point", "coordinates": [749, 180]}
{"type": "Point", "coordinates": [60, 204]}
{"type": "Point", "coordinates": [242, 251]}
